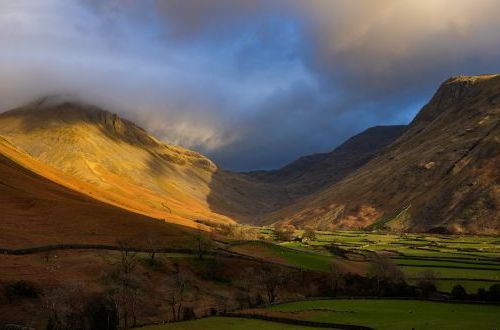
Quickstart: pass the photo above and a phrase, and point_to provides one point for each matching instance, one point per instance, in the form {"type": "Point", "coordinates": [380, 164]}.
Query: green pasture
{"type": "Point", "coordinates": [469, 273]}
{"type": "Point", "coordinates": [396, 314]}
{"type": "Point", "coordinates": [436, 263]}
{"type": "Point", "coordinates": [379, 314]}
{"type": "Point", "coordinates": [225, 323]}
{"type": "Point", "coordinates": [458, 259]}
{"type": "Point", "coordinates": [292, 256]}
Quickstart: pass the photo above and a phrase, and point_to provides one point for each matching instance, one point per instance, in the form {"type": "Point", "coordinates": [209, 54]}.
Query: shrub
{"type": "Point", "coordinates": [482, 294]}
{"type": "Point", "coordinates": [458, 292]}
{"type": "Point", "coordinates": [495, 292]}
{"type": "Point", "coordinates": [20, 289]}
{"type": "Point", "coordinates": [102, 314]}
{"type": "Point", "coordinates": [427, 283]}
{"type": "Point", "coordinates": [212, 269]}
{"type": "Point", "coordinates": [188, 314]}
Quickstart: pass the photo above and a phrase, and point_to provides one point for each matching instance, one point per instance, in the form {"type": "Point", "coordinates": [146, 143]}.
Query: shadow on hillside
{"type": "Point", "coordinates": [244, 199]}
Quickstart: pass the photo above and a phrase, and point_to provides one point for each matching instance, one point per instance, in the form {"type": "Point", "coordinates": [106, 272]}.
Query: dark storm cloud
{"type": "Point", "coordinates": [373, 61]}
{"type": "Point", "coordinates": [252, 83]}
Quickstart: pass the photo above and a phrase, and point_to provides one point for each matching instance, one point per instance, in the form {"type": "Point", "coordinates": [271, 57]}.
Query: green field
{"type": "Point", "coordinates": [307, 259]}
{"type": "Point", "coordinates": [471, 261]}
{"type": "Point", "coordinates": [455, 259]}
{"type": "Point", "coordinates": [225, 323]}
{"type": "Point", "coordinates": [395, 314]}
{"type": "Point", "coordinates": [378, 314]}
{"type": "Point", "coordinates": [471, 273]}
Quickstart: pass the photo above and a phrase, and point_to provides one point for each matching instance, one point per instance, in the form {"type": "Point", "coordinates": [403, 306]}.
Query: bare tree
{"type": "Point", "coordinates": [271, 281]}
{"type": "Point", "coordinates": [384, 269]}
{"type": "Point", "coordinates": [65, 308]}
{"type": "Point", "coordinates": [128, 260]}
{"type": "Point", "coordinates": [126, 300]}
{"type": "Point", "coordinates": [335, 277]}
{"type": "Point", "coordinates": [153, 244]}
{"type": "Point", "coordinates": [126, 291]}
{"type": "Point", "coordinates": [178, 284]}
{"type": "Point", "coordinates": [47, 255]}
{"type": "Point", "coordinates": [203, 245]}
{"type": "Point", "coordinates": [427, 282]}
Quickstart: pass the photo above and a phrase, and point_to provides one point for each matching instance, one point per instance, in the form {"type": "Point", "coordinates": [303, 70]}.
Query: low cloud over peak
{"type": "Point", "coordinates": [253, 84]}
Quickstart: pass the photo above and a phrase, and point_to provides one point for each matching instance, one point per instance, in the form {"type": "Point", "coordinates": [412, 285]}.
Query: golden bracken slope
{"type": "Point", "coordinates": [37, 211]}
{"type": "Point", "coordinates": [114, 161]}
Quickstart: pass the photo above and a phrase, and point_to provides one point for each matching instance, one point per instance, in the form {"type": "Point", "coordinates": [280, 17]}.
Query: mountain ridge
{"type": "Point", "coordinates": [313, 172]}
{"type": "Point", "coordinates": [121, 161]}
{"type": "Point", "coordinates": [438, 173]}
{"type": "Point", "coordinates": [445, 166]}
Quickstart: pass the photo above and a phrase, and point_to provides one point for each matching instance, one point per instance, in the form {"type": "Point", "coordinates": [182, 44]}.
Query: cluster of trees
{"type": "Point", "coordinates": [70, 308]}
{"type": "Point", "coordinates": [20, 289]}
{"type": "Point", "coordinates": [492, 294]}
{"type": "Point", "coordinates": [237, 232]}
{"type": "Point", "coordinates": [267, 284]}
{"type": "Point", "coordinates": [287, 233]}
{"type": "Point", "coordinates": [240, 232]}
{"type": "Point", "coordinates": [74, 307]}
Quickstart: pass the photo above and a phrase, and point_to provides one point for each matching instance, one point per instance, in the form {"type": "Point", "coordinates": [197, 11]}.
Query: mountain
{"type": "Point", "coordinates": [311, 173]}
{"type": "Point", "coordinates": [441, 175]}
{"type": "Point", "coordinates": [38, 211]}
{"type": "Point", "coordinates": [116, 162]}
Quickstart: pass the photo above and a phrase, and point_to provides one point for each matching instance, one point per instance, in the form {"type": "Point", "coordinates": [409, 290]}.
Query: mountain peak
{"type": "Point", "coordinates": [65, 110]}
{"type": "Point", "coordinates": [51, 100]}
{"type": "Point", "coordinates": [456, 90]}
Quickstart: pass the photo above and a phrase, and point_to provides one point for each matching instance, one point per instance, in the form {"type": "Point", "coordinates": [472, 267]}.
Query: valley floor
{"type": "Point", "coordinates": [219, 279]}
{"type": "Point", "coordinates": [471, 261]}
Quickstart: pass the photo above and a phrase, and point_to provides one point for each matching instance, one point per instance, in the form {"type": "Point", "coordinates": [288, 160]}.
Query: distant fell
{"type": "Point", "coordinates": [311, 173]}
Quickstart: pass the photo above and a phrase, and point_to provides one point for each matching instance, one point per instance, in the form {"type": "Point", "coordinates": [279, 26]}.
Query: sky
{"type": "Point", "coordinates": [252, 84]}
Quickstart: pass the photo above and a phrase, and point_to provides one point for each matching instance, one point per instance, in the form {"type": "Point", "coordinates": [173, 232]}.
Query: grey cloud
{"type": "Point", "coordinates": [378, 57]}
{"type": "Point", "coordinates": [252, 83]}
